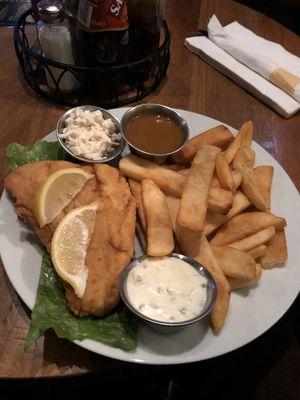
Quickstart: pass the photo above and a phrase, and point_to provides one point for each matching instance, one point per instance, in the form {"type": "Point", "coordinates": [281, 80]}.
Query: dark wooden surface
{"type": "Point", "coordinates": [191, 85]}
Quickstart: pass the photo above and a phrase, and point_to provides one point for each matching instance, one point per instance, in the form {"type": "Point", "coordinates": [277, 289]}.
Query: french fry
{"type": "Point", "coordinates": [215, 182]}
{"type": "Point", "coordinates": [173, 167]}
{"type": "Point", "coordinates": [257, 252]}
{"type": "Point", "coordinates": [245, 157]}
{"type": "Point", "coordinates": [188, 239]}
{"type": "Point", "coordinates": [243, 138]}
{"type": "Point", "coordinates": [252, 189]}
{"type": "Point", "coordinates": [138, 168]}
{"type": "Point", "coordinates": [194, 199]}
{"type": "Point", "coordinates": [254, 240]}
{"type": "Point", "coordinates": [235, 263]}
{"type": "Point", "coordinates": [246, 224]}
{"type": "Point", "coordinates": [141, 236]}
{"type": "Point", "coordinates": [239, 203]}
{"type": "Point", "coordinates": [223, 173]}
{"type": "Point", "coordinates": [136, 191]}
{"type": "Point", "coordinates": [237, 177]}
{"type": "Point", "coordinates": [219, 200]}
{"type": "Point", "coordinates": [173, 206]}
{"type": "Point", "coordinates": [195, 245]}
{"type": "Point", "coordinates": [206, 257]}
{"type": "Point", "coordinates": [169, 181]}
{"type": "Point", "coordinates": [264, 176]}
{"type": "Point", "coordinates": [159, 224]}
{"type": "Point", "coordinates": [238, 284]}
{"type": "Point", "coordinates": [218, 136]}
{"type": "Point", "coordinates": [213, 222]}
{"type": "Point", "coordinates": [184, 171]}
{"type": "Point", "coordinates": [276, 252]}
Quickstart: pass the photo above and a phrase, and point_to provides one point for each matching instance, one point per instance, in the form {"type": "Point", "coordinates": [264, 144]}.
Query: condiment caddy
{"type": "Point", "coordinates": [60, 70]}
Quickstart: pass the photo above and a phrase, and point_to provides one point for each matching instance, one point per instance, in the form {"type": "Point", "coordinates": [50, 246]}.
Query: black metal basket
{"type": "Point", "coordinates": [127, 82]}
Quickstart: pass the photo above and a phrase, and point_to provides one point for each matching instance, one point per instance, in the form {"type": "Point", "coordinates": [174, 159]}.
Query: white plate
{"type": "Point", "coordinates": [251, 312]}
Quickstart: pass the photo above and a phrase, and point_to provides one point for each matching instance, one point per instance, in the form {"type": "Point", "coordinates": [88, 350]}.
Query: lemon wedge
{"type": "Point", "coordinates": [69, 246]}
{"type": "Point", "coordinates": [56, 192]}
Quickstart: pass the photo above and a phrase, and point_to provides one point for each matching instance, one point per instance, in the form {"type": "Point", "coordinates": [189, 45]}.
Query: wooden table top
{"type": "Point", "coordinates": [192, 85]}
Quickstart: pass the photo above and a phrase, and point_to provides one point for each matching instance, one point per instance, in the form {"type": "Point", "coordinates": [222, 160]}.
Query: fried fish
{"type": "Point", "coordinates": [112, 243]}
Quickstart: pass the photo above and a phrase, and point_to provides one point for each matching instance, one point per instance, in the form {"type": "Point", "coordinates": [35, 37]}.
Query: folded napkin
{"type": "Point", "coordinates": [262, 67]}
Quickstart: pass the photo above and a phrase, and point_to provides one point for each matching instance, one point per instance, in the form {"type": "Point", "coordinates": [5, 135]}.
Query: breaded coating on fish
{"type": "Point", "coordinates": [112, 244]}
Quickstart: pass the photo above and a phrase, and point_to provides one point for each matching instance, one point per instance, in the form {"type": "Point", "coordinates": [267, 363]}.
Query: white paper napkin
{"type": "Point", "coordinates": [267, 58]}
{"type": "Point", "coordinates": [253, 63]}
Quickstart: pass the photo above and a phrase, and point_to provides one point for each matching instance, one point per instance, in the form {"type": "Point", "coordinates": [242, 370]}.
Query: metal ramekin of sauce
{"type": "Point", "coordinates": [168, 293]}
{"type": "Point", "coordinates": [154, 131]}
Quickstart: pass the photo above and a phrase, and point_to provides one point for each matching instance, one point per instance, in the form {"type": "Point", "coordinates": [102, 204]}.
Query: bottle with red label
{"type": "Point", "coordinates": [101, 34]}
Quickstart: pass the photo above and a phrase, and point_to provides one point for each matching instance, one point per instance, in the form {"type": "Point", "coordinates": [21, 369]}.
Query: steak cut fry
{"type": "Point", "coordinates": [244, 225]}
{"type": "Point", "coordinates": [251, 188]}
{"type": "Point", "coordinates": [219, 312]}
{"type": "Point", "coordinates": [215, 182]}
{"type": "Point", "coordinates": [276, 251]}
{"type": "Point", "coordinates": [213, 221]}
{"type": "Point", "coordinates": [243, 138]}
{"type": "Point", "coordinates": [141, 234]}
{"type": "Point", "coordinates": [255, 240]}
{"type": "Point", "coordinates": [245, 157]}
{"type": "Point", "coordinates": [237, 178]}
{"type": "Point", "coordinates": [159, 224]}
{"type": "Point", "coordinates": [258, 252]}
{"type": "Point", "coordinates": [194, 199]}
{"type": "Point", "coordinates": [195, 245]}
{"type": "Point", "coordinates": [136, 191]}
{"type": "Point", "coordinates": [219, 200]}
{"type": "Point", "coordinates": [138, 168]}
{"type": "Point", "coordinates": [239, 203]}
{"type": "Point", "coordinates": [219, 136]}
{"type": "Point", "coordinates": [224, 173]}
{"type": "Point", "coordinates": [264, 176]}
{"type": "Point", "coordinates": [239, 284]}
{"type": "Point", "coordinates": [235, 263]}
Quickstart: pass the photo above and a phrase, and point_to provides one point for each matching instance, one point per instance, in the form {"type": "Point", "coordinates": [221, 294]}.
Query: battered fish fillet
{"type": "Point", "coordinates": [112, 244]}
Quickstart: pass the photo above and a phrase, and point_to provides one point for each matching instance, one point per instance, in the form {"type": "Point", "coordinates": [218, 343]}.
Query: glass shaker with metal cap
{"type": "Point", "coordinates": [55, 39]}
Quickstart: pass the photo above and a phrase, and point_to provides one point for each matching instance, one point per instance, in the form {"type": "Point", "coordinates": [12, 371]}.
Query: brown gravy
{"type": "Point", "coordinates": [154, 133]}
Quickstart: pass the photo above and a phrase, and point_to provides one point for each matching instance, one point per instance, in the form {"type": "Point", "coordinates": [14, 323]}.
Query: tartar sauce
{"type": "Point", "coordinates": [87, 134]}
{"type": "Point", "coordinates": [166, 289]}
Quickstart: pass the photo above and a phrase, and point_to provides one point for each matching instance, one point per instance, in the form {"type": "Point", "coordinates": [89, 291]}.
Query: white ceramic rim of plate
{"type": "Point", "coordinates": [172, 350]}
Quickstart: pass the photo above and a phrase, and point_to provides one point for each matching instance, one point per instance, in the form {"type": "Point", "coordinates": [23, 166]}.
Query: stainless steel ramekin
{"type": "Point", "coordinates": [160, 109]}
{"type": "Point", "coordinates": [117, 150]}
{"type": "Point", "coordinates": [171, 327]}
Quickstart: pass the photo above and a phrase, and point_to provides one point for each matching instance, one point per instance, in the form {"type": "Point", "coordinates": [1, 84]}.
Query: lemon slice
{"type": "Point", "coordinates": [56, 192]}
{"type": "Point", "coordinates": [69, 246]}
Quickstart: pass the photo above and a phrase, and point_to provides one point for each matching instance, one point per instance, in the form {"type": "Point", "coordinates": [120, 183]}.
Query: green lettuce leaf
{"type": "Point", "coordinates": [118, 329]}
{"type": "Point", "coordinates": [18, 154]}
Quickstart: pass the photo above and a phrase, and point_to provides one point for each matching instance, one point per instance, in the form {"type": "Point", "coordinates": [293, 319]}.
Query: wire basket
{"type": "Point", "coordinates": [128, 83]}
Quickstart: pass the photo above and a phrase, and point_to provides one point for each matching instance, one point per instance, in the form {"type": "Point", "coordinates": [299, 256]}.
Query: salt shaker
{"type": "Point", "coordinates": [55, 39]}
